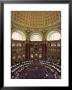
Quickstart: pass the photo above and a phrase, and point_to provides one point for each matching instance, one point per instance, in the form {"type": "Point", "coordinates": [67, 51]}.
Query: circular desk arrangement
{"type": "Point", "coordinates": [29, 70]}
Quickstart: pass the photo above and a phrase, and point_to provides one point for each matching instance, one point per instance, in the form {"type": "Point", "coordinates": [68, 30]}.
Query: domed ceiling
{"type": "Point", "coordinates": [36, 19]}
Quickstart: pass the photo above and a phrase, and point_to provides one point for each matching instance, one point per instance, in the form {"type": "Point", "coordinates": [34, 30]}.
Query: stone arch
{"type": "Point", "coordinates": [18, 35]}
{"type": "Point", "coordinates": [53, 35]}
{"type": "Point", "coordinates": [36, 37]}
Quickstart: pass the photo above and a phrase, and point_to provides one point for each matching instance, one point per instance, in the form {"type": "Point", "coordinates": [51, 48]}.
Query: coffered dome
{"type": "Point", "coordinates": [36, 19]}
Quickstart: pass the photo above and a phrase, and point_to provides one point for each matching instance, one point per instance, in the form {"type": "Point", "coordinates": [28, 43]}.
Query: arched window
{"type": "Point", "coordinates": [53, 35]}
{"type": "Point", "coordinates": [36, 37]}
{"type": "Point", "coordinates": [18, 35]}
